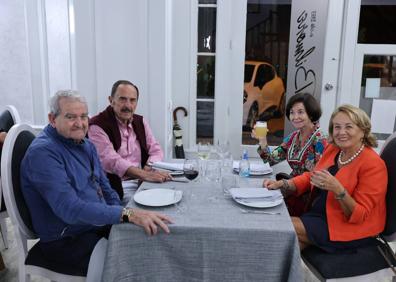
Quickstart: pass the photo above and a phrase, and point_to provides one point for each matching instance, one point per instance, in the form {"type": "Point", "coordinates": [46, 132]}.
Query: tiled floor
{"type": "Point", "coordinates": [10, 274]}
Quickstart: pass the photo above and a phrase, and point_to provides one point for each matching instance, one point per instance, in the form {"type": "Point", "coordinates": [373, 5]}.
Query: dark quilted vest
{"type": "Point", "coordinates": [107, 121]}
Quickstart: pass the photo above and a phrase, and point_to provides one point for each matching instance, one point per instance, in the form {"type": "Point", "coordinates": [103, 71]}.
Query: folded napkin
{"type": "Point", "coordinates": [169, 166]}
{"type": "Point", "coordinates": [255, 193]}
{"type": "Point", "coordinates": [130, 184]}
{"type": "Point", "coordinates": [255, 166]}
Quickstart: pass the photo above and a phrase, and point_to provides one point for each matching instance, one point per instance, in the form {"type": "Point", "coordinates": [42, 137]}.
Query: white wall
{"type": "Point", "coordinates": [181, 62]}
{"type": "Point", "coordinates": [15, 86]}
{"type": "Point", "coordinates": [47, 45]}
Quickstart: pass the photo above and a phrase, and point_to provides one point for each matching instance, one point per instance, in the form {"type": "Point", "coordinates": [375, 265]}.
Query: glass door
{"type": "Point", "coordinates": [374, 78]}
{"type": "Point", "coordinates": [265, 70]}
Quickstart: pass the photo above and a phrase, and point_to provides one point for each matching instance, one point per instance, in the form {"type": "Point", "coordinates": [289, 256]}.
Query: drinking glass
{"type": "Point", "coordinates": [203, 151]}
{"type": "Point", "coordinates": [222, 149]}
{"type": "Point", "coordinates": [191, 168]}
{"type": "Point", "coordinates": [213, 170]}
{"type": "Point", "coordinates": [228, 181]}
{"type": "Point", "coordinates": [226, 167]}
{"type": "Point", "coordinates": [261, 129]}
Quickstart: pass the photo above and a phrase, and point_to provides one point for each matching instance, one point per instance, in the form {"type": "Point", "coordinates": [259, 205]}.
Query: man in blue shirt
{"type": "Point", "coordinates": [69, 197]}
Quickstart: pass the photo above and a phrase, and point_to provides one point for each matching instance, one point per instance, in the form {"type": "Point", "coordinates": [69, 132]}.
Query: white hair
{"type": "Point", "coordinates": [66, 94]}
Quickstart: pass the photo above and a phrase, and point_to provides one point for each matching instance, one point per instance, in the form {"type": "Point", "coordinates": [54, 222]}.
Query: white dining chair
{"type": "Point", "coordinates": [30, 261]}
{"type": "Point", "coordinates": [8, 118]}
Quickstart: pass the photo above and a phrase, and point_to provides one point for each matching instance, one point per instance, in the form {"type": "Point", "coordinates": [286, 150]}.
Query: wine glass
{"type": "Point", "coordinates": [191, 168]}
{"type": "Point", "coordinates": [222, 149]}
{"type": "Point", "coordinates": [203, 151]}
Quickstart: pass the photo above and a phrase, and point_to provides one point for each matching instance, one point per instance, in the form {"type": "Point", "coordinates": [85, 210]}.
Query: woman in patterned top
{"type": "Point", "coordinates": [302, 148]}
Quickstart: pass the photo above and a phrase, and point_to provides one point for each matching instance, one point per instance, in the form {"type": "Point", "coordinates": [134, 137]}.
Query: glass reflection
{"type": "Point", "coordinates": [207, 29]}
{"type": "Point", "coordinates": [376, 24]}
{"type": "Point", "coordinates": [207, 1]}
{"type": "Point", "coordinates": [383, 68]}
{"type": "Point", "coordinates": [266, 56]}
{"type": "Point", "coordinates": [205, 77]}
{"type": "Point", "coordinates": [205, 121]}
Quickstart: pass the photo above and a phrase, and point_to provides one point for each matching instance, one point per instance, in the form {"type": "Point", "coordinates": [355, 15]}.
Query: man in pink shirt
{"type": "Point", "coordinates": [124, 140]}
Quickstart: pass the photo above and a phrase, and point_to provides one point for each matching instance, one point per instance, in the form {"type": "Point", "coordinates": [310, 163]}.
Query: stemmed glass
{"type": "Point", "coordinates": [191, 168]}
{"type": "Point", "coordinates": [203, 154]}
{"type": "Point", "coordinates": [203, 151]}
{"type": "Point", "coordinates": [222, 149]}
{"type": "Point", "coordinates": [191, 171]}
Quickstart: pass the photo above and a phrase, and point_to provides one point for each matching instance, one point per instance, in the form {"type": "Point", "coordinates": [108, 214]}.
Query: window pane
{"type": "Point", "coordinates": [376, 24]}
{"type": "Point", "coordinates": [205, 121]}
{"type": "Point", "coordinates": [207, 1]}
{"type": "Point", "coordinates": [207, 29]}
{"type": "Point", "coordinates": [267, 48]}
{"type": "Point", "coordinates": [379, 82]}
{"type": "Point", "coordinates": [205, 77]}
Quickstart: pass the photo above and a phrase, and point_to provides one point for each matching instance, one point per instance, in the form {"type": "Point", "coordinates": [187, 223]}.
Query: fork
{"type": "Point", "coordinates": [259, 212]}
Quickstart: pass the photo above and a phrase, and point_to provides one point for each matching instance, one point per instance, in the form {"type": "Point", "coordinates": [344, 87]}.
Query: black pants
{"type": "Point", "coordinates": [74, 251]}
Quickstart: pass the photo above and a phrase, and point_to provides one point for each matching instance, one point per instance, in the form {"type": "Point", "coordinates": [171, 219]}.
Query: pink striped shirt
{"type": "Point", "coordinates": [129, 154]}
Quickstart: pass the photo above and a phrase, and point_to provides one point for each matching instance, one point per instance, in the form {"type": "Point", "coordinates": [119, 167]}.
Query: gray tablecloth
{"type": "Point", "coordinates": [211, 240]}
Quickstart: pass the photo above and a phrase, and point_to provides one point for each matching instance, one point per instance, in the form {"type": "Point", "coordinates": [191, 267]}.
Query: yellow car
{"type": "Point", "coordinates": [264, 94]}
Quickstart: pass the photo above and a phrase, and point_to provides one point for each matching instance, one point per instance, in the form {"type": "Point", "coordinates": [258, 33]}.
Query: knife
{"type": "Point", "coordinates": [180, 180]}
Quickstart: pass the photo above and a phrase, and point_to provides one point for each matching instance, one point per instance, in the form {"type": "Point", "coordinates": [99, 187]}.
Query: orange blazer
{"type": "Point", "coordinates": [366, 180]}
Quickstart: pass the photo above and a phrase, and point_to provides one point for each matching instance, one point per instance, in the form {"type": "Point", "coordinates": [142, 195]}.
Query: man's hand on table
{"type": "Point", "coordinates": [156, 176]}
{"type": "Point", "coordinates": [148, 174]}
{"type": "Point", "coordinates": [150, 221]}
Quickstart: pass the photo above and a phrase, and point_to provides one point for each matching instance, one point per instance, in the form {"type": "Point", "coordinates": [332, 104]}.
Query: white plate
{"type": "Point", "coordinates": [256, 173]}
{"type": "Point", "coordinates": [158, 197]}
{"type": "Point", "coordinates": [259, 204]}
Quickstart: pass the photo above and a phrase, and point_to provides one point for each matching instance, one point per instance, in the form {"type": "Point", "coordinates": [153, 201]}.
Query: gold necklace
{"type": "Point", "coordinates": [351, 158]}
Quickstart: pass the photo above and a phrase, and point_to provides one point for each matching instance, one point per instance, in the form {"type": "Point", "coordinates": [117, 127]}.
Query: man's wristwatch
{"type": "Point", "coordinates": [126, 213]}
{"type": "Point", "coordinates": [341, 195]}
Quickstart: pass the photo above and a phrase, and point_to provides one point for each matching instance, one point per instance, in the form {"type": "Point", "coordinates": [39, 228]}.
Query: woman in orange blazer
{"type": "Point", "coordinates": [348, 187]}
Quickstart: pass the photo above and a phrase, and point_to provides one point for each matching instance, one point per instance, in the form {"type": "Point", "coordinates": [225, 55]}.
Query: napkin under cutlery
{"type": "Point", "coordinates": [168, 166]}
{"type": "Point", "coordinates": [255, 167]}
{"type": "Point", "coordinates": [255, 194]}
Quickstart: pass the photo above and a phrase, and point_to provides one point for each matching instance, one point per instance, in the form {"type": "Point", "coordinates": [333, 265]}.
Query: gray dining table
{"type": "Point", "coordinates": [212, 238]}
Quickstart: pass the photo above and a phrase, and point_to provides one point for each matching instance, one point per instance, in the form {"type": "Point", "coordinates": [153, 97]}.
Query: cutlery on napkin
{"type": "Point", "coordinates": [168, 166]}
{"type": "Point", "coordinates": [256, 167]}
{"type": "Point", "coordinates": [255, 194]}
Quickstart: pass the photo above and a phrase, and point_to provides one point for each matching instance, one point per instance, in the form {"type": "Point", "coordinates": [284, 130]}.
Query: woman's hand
{"type": "Point", "coordinates": [271, 184]}
{"type": "Point", "coordinates": [324, 180]}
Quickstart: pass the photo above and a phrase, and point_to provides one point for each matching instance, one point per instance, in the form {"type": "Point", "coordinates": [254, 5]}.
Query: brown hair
{"type": "Point", "coordinates": [125, 82]}
{"type": "Point", "coordinates": [311, 105]}
{"type": "Point", "coordinates": [358, 117]}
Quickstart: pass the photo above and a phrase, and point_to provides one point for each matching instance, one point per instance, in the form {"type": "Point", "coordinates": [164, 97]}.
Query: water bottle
{"type": "Point", "coordinates": [244, 165]}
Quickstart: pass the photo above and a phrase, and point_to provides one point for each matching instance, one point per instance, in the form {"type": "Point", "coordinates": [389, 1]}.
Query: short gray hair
{"type": "Point", "coordinates": [64, 94]}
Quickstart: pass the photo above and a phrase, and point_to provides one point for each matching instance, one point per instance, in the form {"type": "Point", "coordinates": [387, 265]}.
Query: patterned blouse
{"type": "Point", "coordinates": [301, 157]}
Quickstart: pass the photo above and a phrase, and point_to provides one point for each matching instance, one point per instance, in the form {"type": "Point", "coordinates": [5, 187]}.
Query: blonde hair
{"type": "Point", "coordinates": [358, 117]}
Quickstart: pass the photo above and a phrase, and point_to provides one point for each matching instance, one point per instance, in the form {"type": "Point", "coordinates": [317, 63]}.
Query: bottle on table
{"type": "Point", "coordinates": [244, 165]}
